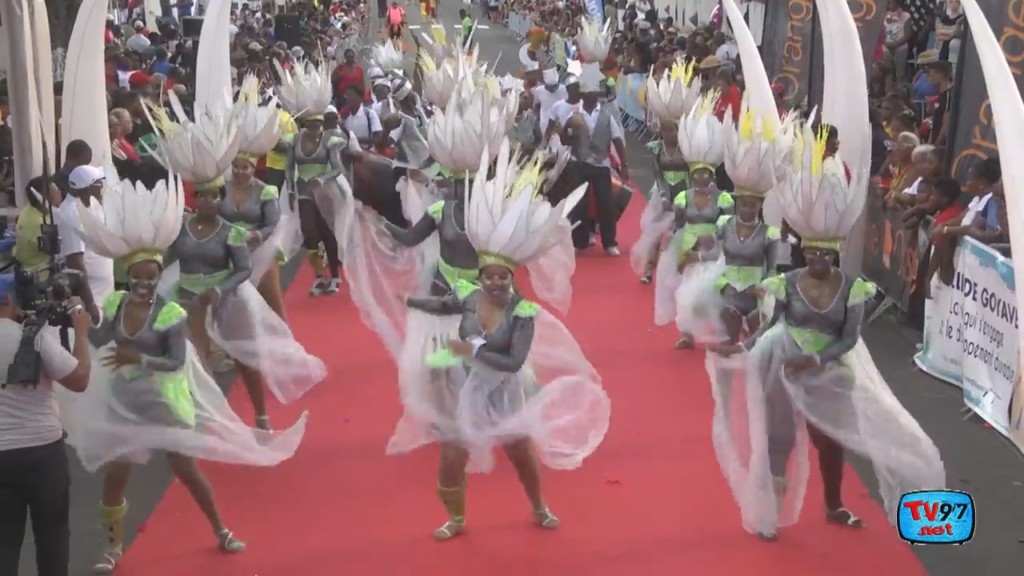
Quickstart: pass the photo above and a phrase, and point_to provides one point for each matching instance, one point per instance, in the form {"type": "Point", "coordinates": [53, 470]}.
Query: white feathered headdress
{"type": "Point", "coordinates": [476, 118]}
{"type": "Point", "coordinates": [593, 40]}
{"type": "Point", "coordinates": [305, 90]}
{"type": "Point", "coordinates": [136, 224]}
{"type": "Point", "coordinates": [507, 220]}
{"type": "Point", "coordinates": [816, 199]}
{"type": "Point", "coordinates": [200, 152]}
{"type": "Point", "coordinates": [389, 57]}
{"type": "Point", "coordinates": [439, 80]}
{"type": "Point", "coordinates": [259, 123]}
{"type": "Point", "coordinates": [758, 152]}
{"type": "Point", "coordinates": [702, 136]}
{"type": "Point", "coordinates": [678, 91]}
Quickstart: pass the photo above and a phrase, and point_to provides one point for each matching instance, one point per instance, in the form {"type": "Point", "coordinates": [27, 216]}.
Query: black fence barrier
{"type": "Point", "coordinates": [896, 256]}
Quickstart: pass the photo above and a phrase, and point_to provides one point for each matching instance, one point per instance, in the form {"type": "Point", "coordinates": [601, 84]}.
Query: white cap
{"type": "Point", "coordinates": [571, 79]}
{"type": "Point", "coordinates": [85, 176]}
{"type": "Point", "coordinates": [382, 82]}
{"type": "Point", "coordinates": [297, 52]}
{"type": "Point", "coordinates": [374, 73]}
{"type": "Point", "coordinates": [331, 110]}
{"type": "Point", "coordinates": [551, 76]}
{"type": "Point", "coordinates": [138, 25]}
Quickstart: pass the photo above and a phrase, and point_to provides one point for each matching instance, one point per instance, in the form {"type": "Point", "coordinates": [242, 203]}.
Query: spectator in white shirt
{"type": "Point", "coordinates": [562, 110]}
{"type": "Point", "coordinates": [138, 41]}
{"type": "Point", "coordinates": [548, 94]}
{"type": "Point", "coordinates": [361, 120]}
{"type": "Point", "coordinates": [86, 188]}
{"type": "Point", "coordinates": [35, 478]}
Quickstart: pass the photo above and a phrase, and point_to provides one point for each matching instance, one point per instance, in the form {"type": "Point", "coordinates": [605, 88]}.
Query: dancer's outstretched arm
{"type": "Point", "coordinates": [439, 306]}
{"type": "Point", "coordinates": [414, 236]}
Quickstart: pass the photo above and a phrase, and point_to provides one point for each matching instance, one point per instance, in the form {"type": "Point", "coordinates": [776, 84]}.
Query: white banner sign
{"type": "Point", "coordinates": [971, 335]}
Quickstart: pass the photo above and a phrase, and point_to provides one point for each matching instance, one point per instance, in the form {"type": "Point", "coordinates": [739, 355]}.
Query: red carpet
{"type": "Point", "coordinates": [650, 502]}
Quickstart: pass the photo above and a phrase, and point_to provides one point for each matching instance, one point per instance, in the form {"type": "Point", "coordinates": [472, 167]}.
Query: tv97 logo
{"type": "Point", "coordinates": [936, 517]}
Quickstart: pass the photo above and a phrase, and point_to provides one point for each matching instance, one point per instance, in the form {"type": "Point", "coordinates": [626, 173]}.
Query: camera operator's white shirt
{"type": "Point", "coordinates": [29, 416]}
{"type": "Point", "coordinates": [99, 269]}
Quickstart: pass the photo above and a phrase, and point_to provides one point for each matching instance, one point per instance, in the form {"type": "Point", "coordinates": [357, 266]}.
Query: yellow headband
{"type": "Point", "coordinates": [214, 184]}
{"type": "Point", "coordinates": [834, 244]}
{"type": "Point", "coordinates": [694, 166]}
{"type": "Point", "coordinates": [250, 158]}
{"type": "Point", "coordinates": [143, 255]}
{"type": "Point", "coordinates": [489, 259]}
{"type": "Point", "coordinates": [748, 192]}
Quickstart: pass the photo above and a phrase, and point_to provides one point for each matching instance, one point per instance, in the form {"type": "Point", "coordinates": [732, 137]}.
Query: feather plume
{"type": "Point", "coordinates": [133, 218]}
{"type": "Point", "coordinates": [306, 88]}
{"type": "Point", "coordinates": [702, 136]}
{"type": "Point", "coordinates": [200, 151]}
{"type": "Point", "coordinates": [475, 119]}
{"type": "Point", "coordinates": [389, 57]}
{"type": "Point", "coordinates": [594, 40]}
{"type": "Point", "coordinates": [675, 94]}
{"type": "Point", "coordinates": [258, 123]}
{"type": "Point", "coordinates": [816, 200]}
{"type": "Point", "coordinates": [507, 216]}
{"type": "Point", "coordinates": [757, 149]}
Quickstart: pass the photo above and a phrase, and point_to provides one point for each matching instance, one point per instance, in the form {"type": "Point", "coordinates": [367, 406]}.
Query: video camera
{"type": "Point", "coordinates": [42, 297]}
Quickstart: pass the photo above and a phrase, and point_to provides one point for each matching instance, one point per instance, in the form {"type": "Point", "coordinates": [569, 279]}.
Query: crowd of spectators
{"type": "Point", "coordinates": [911, 89]}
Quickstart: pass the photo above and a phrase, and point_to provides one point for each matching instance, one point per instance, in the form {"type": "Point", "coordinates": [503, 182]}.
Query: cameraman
{"type": "Point", "coordinates": [34, 474]}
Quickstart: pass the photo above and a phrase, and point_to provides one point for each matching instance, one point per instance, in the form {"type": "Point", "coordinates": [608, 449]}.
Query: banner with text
{"type": "Point", "coordinates": [975, 136]}
{"type": "Point", "coordinates": [792, 33]}
{"type": "Point", "coordinates": [971, 336]}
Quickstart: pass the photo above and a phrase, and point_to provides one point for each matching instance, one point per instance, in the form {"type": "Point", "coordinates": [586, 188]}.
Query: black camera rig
{"type": "Point", "coordinates": [42, 297]}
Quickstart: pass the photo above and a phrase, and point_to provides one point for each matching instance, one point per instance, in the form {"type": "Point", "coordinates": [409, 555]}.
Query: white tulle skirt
{"type": "Point", "coordinates": [699, 303]}
{"type": "Point", "coordinates": [655, 223]}
{"type": "Point", "coordinates": [666, 282]}
{"type": "Point", "coordinates": [551, 274]}
{"type": "Point", "coordinates": [126, 415]}
{"type": "Point", "coordinates": [244, 327]}
{"type": "Point", "coordinates": [250, 332]}
{"type": "Point", "coordinates": [759, 428]}
{"type": "Point", "coordinates": [284, 242]}
{"type": "Point", "coordinates": [556, 400]}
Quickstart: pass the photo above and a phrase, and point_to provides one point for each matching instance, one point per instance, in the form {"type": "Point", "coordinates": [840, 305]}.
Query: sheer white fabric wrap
{"type": "Point", "coordinates": [122, 416]}
{"type": "Point", "coordinates": [757, 404]}
{"type": "Point", "coordinates": [556, 400]}
{"type": "Point", "coordinates": [666, 281]}
{"type": "Point", "coordinates": [655, 223]}
{"type": "Point", "coordinates": [244, 326]}
{"type": "Point", "coordinates": [286, 239]}
{"type": "Point", "coordinates": [699, 304]}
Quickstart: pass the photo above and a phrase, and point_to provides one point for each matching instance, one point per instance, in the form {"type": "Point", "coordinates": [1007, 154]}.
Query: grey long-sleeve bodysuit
{"type": "Point", "coordinates": [324, 164]}
{"type": "Point", "coordinates": [826, 334]}
{"type": "Point", "coordinates": [260, 212]}
{"type": "Point", "coordinates": [162, 342]}
{"type": "Point", "coordinates": [507, 346]}
{"type": "Point", "coordinates": [220, 261]}
{"type": "Point", "coordinates": [458, 259]}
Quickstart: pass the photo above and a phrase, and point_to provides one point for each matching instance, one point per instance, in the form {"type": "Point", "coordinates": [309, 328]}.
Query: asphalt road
{"type": "Point", "coordinates": [977, 459]}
